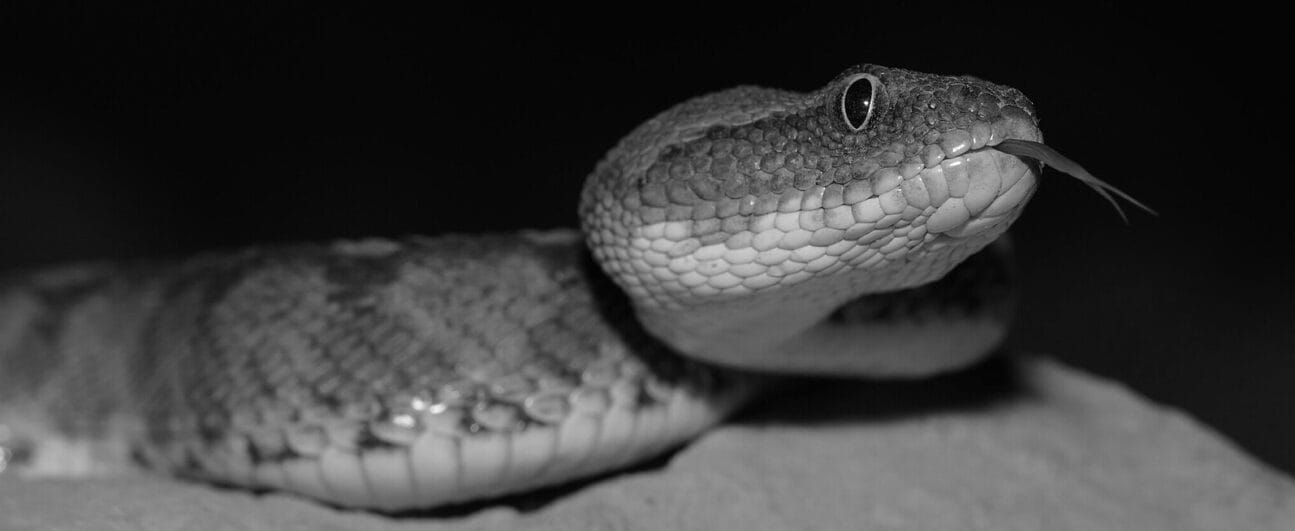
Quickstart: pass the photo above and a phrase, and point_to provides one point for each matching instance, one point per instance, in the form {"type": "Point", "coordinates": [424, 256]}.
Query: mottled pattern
{"type": "Point", "coordinates": [273, 355]}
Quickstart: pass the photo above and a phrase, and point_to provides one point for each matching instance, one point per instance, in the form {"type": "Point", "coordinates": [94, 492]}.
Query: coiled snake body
{"type": "Point", "coordinates": [741, 234]}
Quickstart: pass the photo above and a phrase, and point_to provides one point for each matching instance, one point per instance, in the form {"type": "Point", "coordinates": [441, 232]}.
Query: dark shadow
{"type": "Point", "coordinates": [826, 400]}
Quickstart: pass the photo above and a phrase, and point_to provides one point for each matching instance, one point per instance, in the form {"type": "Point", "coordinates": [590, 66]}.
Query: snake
{"type": "Point", "coordinates": [853, 231]}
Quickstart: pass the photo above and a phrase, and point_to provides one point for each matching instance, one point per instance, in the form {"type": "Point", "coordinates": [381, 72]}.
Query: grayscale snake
{"type": "Point", "coordinates": [732, 238]}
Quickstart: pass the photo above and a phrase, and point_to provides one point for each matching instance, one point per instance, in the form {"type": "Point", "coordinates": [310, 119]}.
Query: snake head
{"type": "Point", "coordinates": [739, 219]}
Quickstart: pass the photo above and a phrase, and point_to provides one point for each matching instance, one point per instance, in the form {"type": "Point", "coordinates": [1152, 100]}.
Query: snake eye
{"type": "Point", "coordinates": [858, 100]}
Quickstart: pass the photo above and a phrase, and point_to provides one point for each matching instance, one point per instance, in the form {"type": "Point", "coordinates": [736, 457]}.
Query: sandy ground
{"type": "Point", "coordinates": [1025, 444]}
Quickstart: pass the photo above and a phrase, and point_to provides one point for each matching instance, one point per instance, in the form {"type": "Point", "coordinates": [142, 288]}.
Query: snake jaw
{"type": "Point", "coordinates": [998, 185]}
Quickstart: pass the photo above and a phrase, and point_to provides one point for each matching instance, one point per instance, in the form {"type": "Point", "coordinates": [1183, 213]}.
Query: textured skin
{"type": "Point", "coordinates": [263, 367]}
{"type": "Point", "coordinates": [752, 228]}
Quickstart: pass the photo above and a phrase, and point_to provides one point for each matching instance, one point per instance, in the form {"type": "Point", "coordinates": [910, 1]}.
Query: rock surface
{"type": "Point", "coordinates": [1020, 444]}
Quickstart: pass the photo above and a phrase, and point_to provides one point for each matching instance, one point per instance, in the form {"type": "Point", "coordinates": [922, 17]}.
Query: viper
{"type": "Point", "coordinates": [742, 235]}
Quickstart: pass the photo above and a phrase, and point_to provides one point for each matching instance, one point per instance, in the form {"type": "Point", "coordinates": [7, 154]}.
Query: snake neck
{"type": "Point", "coordinates": [798, 329]}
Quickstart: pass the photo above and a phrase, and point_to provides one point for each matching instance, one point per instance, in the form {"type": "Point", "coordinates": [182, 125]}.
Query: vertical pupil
{"type": "Point", "coordinates": [858, 99]}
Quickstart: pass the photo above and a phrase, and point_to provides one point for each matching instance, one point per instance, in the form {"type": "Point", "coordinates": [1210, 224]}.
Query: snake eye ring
{"type": "Point", "coordinates": [858, 101]}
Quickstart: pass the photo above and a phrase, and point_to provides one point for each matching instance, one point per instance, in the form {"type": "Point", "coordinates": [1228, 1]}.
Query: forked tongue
{"type": "Point", "coordinates": [1051, 157]}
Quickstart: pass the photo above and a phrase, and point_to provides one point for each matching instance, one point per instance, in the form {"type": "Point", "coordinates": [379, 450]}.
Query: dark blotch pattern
{"type": "Point", "coordinates": [247, 349]}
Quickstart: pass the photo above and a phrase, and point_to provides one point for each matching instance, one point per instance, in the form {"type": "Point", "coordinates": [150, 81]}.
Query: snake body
{"type": "Point", "coordinates": [736, 236]}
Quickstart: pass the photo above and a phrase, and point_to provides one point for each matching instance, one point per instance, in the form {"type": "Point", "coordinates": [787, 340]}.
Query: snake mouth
{"type": "Point", "coordinates": [989, 176]}
{"type": "Point", "coordinates": [974, 191]}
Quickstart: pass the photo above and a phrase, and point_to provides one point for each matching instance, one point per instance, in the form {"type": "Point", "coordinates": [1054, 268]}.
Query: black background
{"type": "Point", "coordinates": [143, 132]}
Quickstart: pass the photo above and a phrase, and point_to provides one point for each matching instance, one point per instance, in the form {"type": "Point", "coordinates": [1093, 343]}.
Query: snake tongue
{"type": "Point", "coordinates": [1048, 156]}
